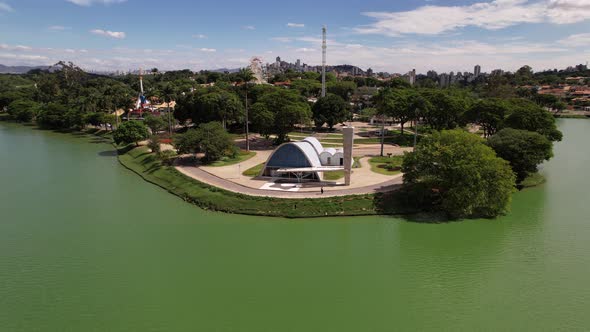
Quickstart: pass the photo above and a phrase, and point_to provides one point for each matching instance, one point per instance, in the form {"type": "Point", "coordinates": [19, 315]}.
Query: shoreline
{"type": "Point", "coordinates": [208, 197]}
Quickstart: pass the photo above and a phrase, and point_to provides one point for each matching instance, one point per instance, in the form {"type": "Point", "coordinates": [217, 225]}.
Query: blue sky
{"type": "Point", "coordinates": [393, 36]}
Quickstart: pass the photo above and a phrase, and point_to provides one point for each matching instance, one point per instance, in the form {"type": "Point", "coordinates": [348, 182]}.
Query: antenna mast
{"type": "Point", "coordinates": [141, 80]}
{"type": "Point", "coordinates": [324, 47]}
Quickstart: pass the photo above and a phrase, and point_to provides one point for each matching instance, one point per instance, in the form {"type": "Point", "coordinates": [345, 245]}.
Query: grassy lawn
{"type": "Point", "coordinates": [254, 171]}
{"type": "Point", "coordinates": [242, 156]}
{"type": "Point", "coordinates": [533, 180]}
{"type": "Point", "coordinates": [380, 164]}
{"type": "Point", "coordinates": [333, 176]}
{"type": "Point", "coordinates": [334, 136]}
{"type": "Point", "coordinates": [357, 162]}
{"type": "Point", "coordinates": [331, 140]}
{"type": "Point", "coordinates": [407, 140]}
{"type": "Point", "coordinates": [149, 167]}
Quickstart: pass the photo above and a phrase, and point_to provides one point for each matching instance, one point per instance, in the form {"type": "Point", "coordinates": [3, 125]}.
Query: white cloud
{"type": "Point", "coordinates": [15, 47]}
{"type": "Point", "coordinates": [296, 25]}
{"type": "Point", "coordinates": [58, 28]}
{"type": "Point", "coordinates": [577, 40]}
{"type": "Point", "coordinates": [4, 7]}
{"type": "Point", "coordinates": [87, 3]}
{"type": "Point", "coordinates": [494, 15]}
{"type": "Point", "coordinates": [249, 27]}
{"type": "Point", "coordinates": [282, 39]}
{"type": "Point", "coordinates": [208, 50]}
{"type": "Point", "coordinates": [107, 33]}
{"type": "Point", "coordinates": [23, 57]}
{"type": "Point", "coordinates": [305, 50]}
{"type": "Point", "coordinates": [200, 36]}
{"type": "Point", "coordinates": [568, 11]}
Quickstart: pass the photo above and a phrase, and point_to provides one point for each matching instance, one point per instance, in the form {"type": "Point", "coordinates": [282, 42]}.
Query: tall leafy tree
{"type": "Point", "coordinates": [344, 89]}
{"type": "Point", "coordinates": [215, 142]}
{"type": "Point", "coordinates": [23, 110]}
{"type": "Point", "coordinates": [524, 150]}
{"type": "Point", "coordinates": [168, 93]}
{"type": "Point", "coordinates": [154, 123]}
{"type": "Point", "coordinates": [489, 114]}
{"type": "Point", "coordinates": [245, 76]}
{"type": "Point", "coordinates": [395, 103]}
{"type": "Point", "coordinates": [130, 132]}
{"type": "Point", "coordinates": [330, 110]}
{"type": "Point", "coordinates": [220, 105]}
{"type": "Point", "coordinates": [279, 111]}
{"type": "Point", "coordinates": [448, 108]}
{"type": "Point", "coordinates": [463, 175]}
{"type": "Point", "coordinates": [187, 142]}
{"type": "Point", "coordinates": [526, 115]}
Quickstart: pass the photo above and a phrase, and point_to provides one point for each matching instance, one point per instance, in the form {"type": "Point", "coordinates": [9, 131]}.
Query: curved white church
{"type": "Point", "coordinates": [306, 159]}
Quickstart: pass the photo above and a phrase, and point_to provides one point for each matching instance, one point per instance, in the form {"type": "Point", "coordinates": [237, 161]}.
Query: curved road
{"type": "Point", "coordinates": [200, 175]}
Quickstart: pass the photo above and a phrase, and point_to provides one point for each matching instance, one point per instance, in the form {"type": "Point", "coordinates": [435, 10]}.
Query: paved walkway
{"type": "Point", "coordinates": [310, 190]}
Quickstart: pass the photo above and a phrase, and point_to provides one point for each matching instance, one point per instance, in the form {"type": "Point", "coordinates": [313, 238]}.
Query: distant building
{"type": "Point", "coordinates": [444, 80]}
{"type": "Point", "coordinates": [412, 77]}
{"type": "Point", "coordinates": [432, 75]}
{"type": "Point", "coordinates": [477, 70]}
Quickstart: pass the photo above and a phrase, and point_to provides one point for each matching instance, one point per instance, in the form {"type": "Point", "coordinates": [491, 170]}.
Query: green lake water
{"type": "Point", "coordinates": [86, 245]}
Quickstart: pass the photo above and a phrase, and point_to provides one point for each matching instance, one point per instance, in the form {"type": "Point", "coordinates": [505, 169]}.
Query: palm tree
{"type": "Point", "coordinates": [168, 94]}
{"type": "Point", "coordinates": [245, 75]}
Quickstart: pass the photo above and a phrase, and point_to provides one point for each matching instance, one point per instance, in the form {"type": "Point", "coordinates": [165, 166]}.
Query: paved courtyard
{"type": "Point", "coordinates": [364, 181]}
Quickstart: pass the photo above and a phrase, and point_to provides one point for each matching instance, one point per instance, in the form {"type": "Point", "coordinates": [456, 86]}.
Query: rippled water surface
{"type": "Point", "coordinates": [88, 246]}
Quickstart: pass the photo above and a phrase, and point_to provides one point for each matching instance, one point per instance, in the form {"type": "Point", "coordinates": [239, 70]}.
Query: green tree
{"type": "Point", "coordinates": [95, 118]}
{"type": "Point", "coordinates": [215, 142]}
{"type": "Point", "coordinates": [279, 111]}
{"type": "Point", "coordinates": [222, 106]}
{"type": "Point", "coordinates": [187, 142]}
{"type": "Point", "coordinates": [155, 123]}
{"type": "Point", "coordinates": [395, 104]}
{"type": "Point", "coordinates": [308, 88]}
{"type": "Point", "coordinates": [52, 116]}
{"type": "Point", "coordinates": [110, 119]}
{"type": "Point", "coordinates": [130, 132]}
{"type": "Point", "coordinates": [330, 110]}
{"type": "Point", "coordinates": [344, 89]}
{"type": "Point", "coordinates": [168, 94]}
{"type": "Point", "coordinates": [559, 106]}
{"type": "Point", "coordinates": [154, 144]}
{"type": "Point", "coordinates": [23, 110]}
{"type": "Point", "coordinates": [263, 119]}
{"type": "Point", "coordinates": [489, 114]}
{"type": "Point", "coordinates": [447, 109]}
{"type": "Point", "coordinates": [527, 115]}
{"type": "Point", "coordinates": [463, 176]}
{"type": "Point", "coordinates": [398, 83]}
{"type": "Point", "coordinates": [524, 150]}
{"type": "Point", "coordinates": [246, 76]}
{"type": "Point", "coordinates": [184, 108]}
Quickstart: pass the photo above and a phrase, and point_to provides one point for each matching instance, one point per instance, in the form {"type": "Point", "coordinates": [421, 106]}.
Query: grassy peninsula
{"type": "Point", "coordinates": [151, 169]}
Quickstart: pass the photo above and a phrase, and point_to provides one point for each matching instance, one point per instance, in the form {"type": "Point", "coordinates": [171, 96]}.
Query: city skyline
{"type": "Point", "coordinates": [440, 35]}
